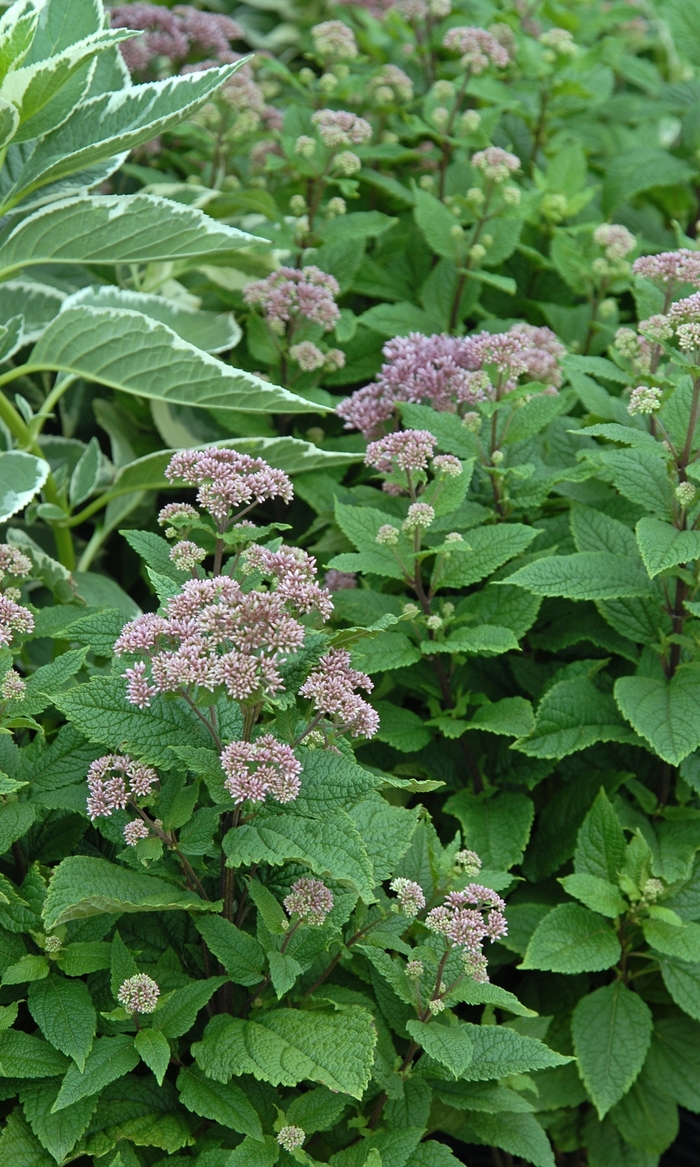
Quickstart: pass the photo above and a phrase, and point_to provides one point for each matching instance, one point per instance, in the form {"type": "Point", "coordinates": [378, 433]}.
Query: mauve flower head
{"type": "Point", "coordinates": [164, 35]}
{"type": "Point", "coordinates": [684, 310]}
{"type": "Point", "coordinates": [308, 356]}
{"type": "Point", "coordinates": [478, 47]}
{"type": "Point", "coordinates": [334, 40]}
{"type": "Point", "coordinates": [13, 619]}
{"type": "Point", "coordinates": [468, 862]}
{"type": "Point", "coordinates": [448, 465]}
{"type": "Point", "coordinates": [294, 576]}
{"type": "Point", "coordinates": [186, 554]}
{"type": "Point", "coordinates": [255, 769]}
{"type": "Point", "coordinates": [670, 267]}
{"type": "Point", "coordinates": [340, 581]}
{"type": "Point", "coordinates": [291, 1137]}
{"type": "Point", "coordinates": [688, 336]}
{"type": "Point", "coordinates": [466, 919]}
{"type": "Point", "coordinates": [409, 894]}
{"type": "Point", "coordinates": [112, 780]}
{"type": "Point", "coordinates": [135, 830]}
{"type": "Point", "coordinates": [409, 450]}
{"type": "Point", "coordinates": [291, 292]}
{"type": "Point", "coordinates": [616, 239]}
{"type": "Point", "coordinates": [392, 79]}
{"type": "Point", "coordinates": [331, 687]}
{"type": "Point", "coordinates": [496, 164]}
{"type": "Point", "coordinates": [338, 128]}
{"type": "Point", "coordinates": [139, 994]}
{"type": "Point", "coordinates": [210, 31]}
{"type": "Point", "coordinates": [12, 687]}
{"type": "Point", "coordinates": [420, 516]}
{"type": "Point", "coordinates": [310, 900]}
{"type": "Point", "coordinates": [542, 352]}
{"type": "Point", "coordinates": [13, 562]}
{"type": "Point", "coordinates": [227, 479]}
{"type": "Point", "coordinates": [439, 370]}
{"type": "Point", "coordinates": [177, 514]}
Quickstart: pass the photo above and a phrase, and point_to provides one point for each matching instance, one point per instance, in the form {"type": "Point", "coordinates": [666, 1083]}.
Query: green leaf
{"type": "Point", "coordinates": [85, 886]}
{"type": "Point", "coordinates": [269, 908]}
{"type": "Point", "coordinates": [252, 1153]}
{"type": "Point", "coordinates": [497, 828]}
{"type": "Point", "coordinates": [109, 1059]}
{"type": "Point", "coordinates": [448, 1044]}
{"type": "Point", "coordinates": [663, 712]}
{"type": "Point", "coordinates": [586, 575]}
{"type": "Point", "coordinates": [436, 223]}
{"type": "Point", "coordinates": [179, 1012]}
{"type": "Point", "coordinates": [15, 820]}
{"type": "Point", "coordinates": [597, 894]}
{"type": "Point", "coordinates": [571, 716]}
{"type": "Point", "coordinates": [153, 1049]}
{"type": "Point", "coordinates": [636, 170]}
{"type": "Point", "coordinates": [75, 960]}
{"type": "Point", "coordinates": [23, 1056]}
{"type": "Point", "coordinates": [58, 1133]}
{"type": "Point", "coordinates": [241, 954]}
{"type": "Point", "coordinates": [511, 716]}
{"type": "Point", "coordinates": [683, 983]}
{"type": "Point", "coordinates": [641, 476]}
{"type": "Point", "coordinates": [317, 1110]}
{"type": "Point", "coordinates": [386, 831]}
{"type": "Point", "coordinates": [491, 547]}
{"type": "Point", "coordinates": [387, 651]}
{"type": "Point", "coordinates": [109, 229]}
{"type": "Point", "coordinates": [600, 844]}
{"type": "Point", "coordinates": [21, 476]}
{"type": "Point", "coordinates": [571, 939]}
{"type": "Point", "coordinates": [662, 545]}
{"type": "Point", "coordinates": [500, 1051]}
{"type": "Point", "coordinates": [224, 1103]}
{"type": "Point", "coordinates": [284, 970]}
{"type": "Point", "coordinates": [19, 1145]}
{"type": "Point", "coordinates": [401, 728]}
{"type": "Point", "coordinates": [47, 682]}
{"type": "Point", "coordinates": [673, 1061]}
{"type": "Point", "coordinates": [288, 1045]}
{"type": "Point", "coordinates": [135, 354]}
{"type": "Point", "coordinates": [518, 1134]}
{"type": "Point", "coordinates": [108, 125]}
{"type": "Point", "coordinates": [611, 1029]}
{"type": "Point", "coordinates": [65, 1014]}
{"type": "Point", "coordinates": [330, 846]}
{"type": "Point", "coordinates": [486, 640]}
{"type": "Point", "coordinates": [682, 942]}
{"type": "Point", "coordinates": [211, 331]}
{"type": "Point", "coordinates": [86, 474]}
{"type": "Point", "coordinates": [646, 1117]}
{"type": "Point", "coordinates": [30, 968]}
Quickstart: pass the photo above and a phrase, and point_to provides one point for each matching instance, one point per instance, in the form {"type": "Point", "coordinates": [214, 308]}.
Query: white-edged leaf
{"type": "Point", "coordinates": [214, 332]}
{"type": "Point", "coordinates": [21, 476]}
{"type": "Point", "coordinates": [36, 303]}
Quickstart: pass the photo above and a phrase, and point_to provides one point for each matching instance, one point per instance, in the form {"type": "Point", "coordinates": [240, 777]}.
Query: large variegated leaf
{"type": "Point", "coordinates": [116, 229]}
{"type": "Point", "coordinates": [21, 476]}
{"type": "Point", "coordinates": [214, 332]}
{"type": "Point", "coordinates": [57, 32]}
{"type": "Point", "coordinates": [36, 89]}
{"type": "Point", "coordinates": [130, 352]}
{"type": "Point", "coordinates": [107, 125]}
{"type": "Point", "coordinates": [9, 121]}
{"type": "Point", "coordinates": [37, 303]}
{"type": "Point", "coordinates": [17, 29]}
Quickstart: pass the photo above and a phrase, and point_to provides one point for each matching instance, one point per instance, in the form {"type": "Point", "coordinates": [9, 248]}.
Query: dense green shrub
{"type": "Point", "coordinates": [255, 843]}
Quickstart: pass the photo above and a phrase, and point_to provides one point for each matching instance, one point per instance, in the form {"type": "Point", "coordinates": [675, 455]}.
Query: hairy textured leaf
{"type": "Point", "coordinates": [611, 1029]}
{"type": "Point", "coordinates": [586, 575]}
{"type": "Point", "coordinates": [663, 712]}
{"type": "Point", "coordinates": [491, 547]}
{"type": "Point", "coordinates": [85, 886]}
{"type": "Point", "coordinates": [242, 955]}
{"type": "Point", "coordinates": [110, 1058]}
{"type": "Point", "coordinates": [518, 1134]}
{"type": "Point", "coordinates": [18, 1144]}
{"type": "Point", "coordinates": [499, 1051]}
{"type": "Point", "coordinates": [571, 939]}
{"type": "Point", "coordinates": [23, 1056]}
{"type": "Point", "coordinates": [287, 1045]}
{"type": "Point", "coordinates": [597, 894]}
{"type": "Point", "coordinates": [448, 1044]}
{"type": "Point", "coordinates": [153, 1049]}
{"type": "Point", "coordinates": [600, 844]}
{"type": "Point", "coordinates": [683, 983]}
{"type": "Point", "coordinates": [58, 1133]}
{"type": "Point", "coordinates": [571, 716]}
{"type": "Point", "coordinates": [65, 1014]}
{"type": "Point", "coordinates": [224, 1103]}
{"type": "Point", "coordinates": [497, 829]}
{"type": "Point", "coordinates": [662, 545]}
{"type": "Point", "coordinates": [179, 1012]}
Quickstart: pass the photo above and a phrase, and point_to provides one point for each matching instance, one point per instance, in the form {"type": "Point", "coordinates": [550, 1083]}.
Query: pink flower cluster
{"type": "Point", "coordinates": [290, 292]}
{"type": "Point", "coordinates": [114, 779]}
{"type": "Point", "coordinates": [685, 310]}
{"type": "Point", "coordinates": [13, 618]}
{"type": "Point", "coordinates": [139, 994]}
{"type": "Point", "coordinates": [409, 894]}
{"type": "Point", "coordinates": [409, 450]}
{"type": "Point", "coordinates": [669, 267]}
{"type": "Point", "coordinates": [255, 769]}
{"type": "Point", "coordinates": [13, 562]}
{"type": "Point", "coordinates": [338, 128]}
{"type": "Point", "coordinates": [226, 480]}
{"type": "Point", "coordinates": [438, 370]}
{"type": "Point", "coordinates": [466, 919]}
{"type": "Point", "coordinates": [332, 686]}
{"type": "Point", "coordinates": [446, 372]}
{"type": "Point", "coordinates": [173, 34]}
{"type": "Point", "coordinates": [294, 573]}
{"type": "Point", "coordinates": [340, 581]}
{"type": "Point", "coordinates": [478, 47]}
{"type": "Point", "coordinates": [616, 239]}
{"type": "Point", "coordinates": [310, 900]}
{"type": "Point", "coordinates": [496, 164]}
{"type": "Point", "coordinates": [334, 40]}
{"type": "Point", "coordinates": [215, 634]}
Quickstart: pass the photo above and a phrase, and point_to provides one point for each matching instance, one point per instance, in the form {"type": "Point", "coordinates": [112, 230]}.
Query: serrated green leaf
{"type": "Point", "coordinates": [24, 1056]}
{"type": "Point", "coordinates": [511, 717]}
{"type": "Point", "coordinates": [491, 547]}
{"type": "Point", "coordinates": [284, 970]}
{"type": "Point", "coordinates": [585, 575]}
{"type": "Point", "coordinates": [401, 728]}
{"type": "Point", "coordinates": [65, 1014]}
{"type": "Point", "coordinates": [58, 1133]}
{"type": "Point", "coordinates": [518, 1134]}
{"type": "Point", "coordinates": [316, 1110]}
{"type": "Point", "coordinates": [663, 712]}
{"type": "Point", "coordinates": [673, 1061]}
{"type": "Point", "coordinates": [662, 545]}
{"type": "Point", "coordinates": [486, 640]}
{"type": "Point", "coordinates": [224, 1103]}
{"type": "Point", "coordinates": [500, 1051]}
{"type": "Point", "coordinates": [571, 939]}
{"type": "Point", "coordinates": [683, 983]}
{"type": "Point", "coordinates": [600, 844]}
{"type": "Point", "coordinates": [153, 1049]}
{"type": "Point", "coordinates": [448, 1044]}
{"type": "Point", "coordinates": [109, 1059]}
{"type": "Point", "coordinates": [179, 1012]}
{"type": "Point", "coordinates": [497, 828]}
{"type": "Point", "coordinates": [611, 1028]}
{"type": "Point", "coordinates": [572, 716]}
{"type": "Point", "coordinates": [30, 968]}
{"type": "Point", "coordinates": [597, 894]}
{"type": "Point", "coordinates": [386, 832]}
{"type": "Point", "coordinates": [241, 954]}
{"type": "Point", "coordinates": [18, 1144]}
{"type": "Point", "coordinates": [647, 1118]}
{"type": "Point", "coordinates": [330, 846]}
{"type": "Point", "coordinates": [683, 942]}
{"type": "Point", "coordinates": [85, 886]}
{"type": "Point", "coordinates": [288, 1045]}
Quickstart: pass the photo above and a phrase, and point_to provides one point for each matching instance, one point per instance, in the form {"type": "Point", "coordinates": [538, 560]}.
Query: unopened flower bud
{"type": "Point", "coordinates": [436, 1006]}
{"type": "Point", "coordinates": [472, 422]}
{"type": "Point", "coordinates": [306, 76]}
{"type": "Point", "coordinates": [477, 252]}
{"type": "Point", "coordinates": [414, 969]}
{"type": "Point", "coordinates": [53, 944]}
{"type": "Point", "coordinates": [497, 457]}
{"type": "Point", "coordinates": [336, 206]}
{"type": "Point", "coordinates": [410, 611]}
{"type": "Point", "coordinates": [476, 196]}
{"type": "Point", "coordinates": [291, 1137]}
{"type": "Point", "coordinates": [426, 182]}
{"type": "Point", "coordinates": [298, 204]}
{"type": "Point", "coordinates": [471, 120]}
{"type": "Point", "coordinates": [685, 493]}
{"type": "Point", "coordinates": [327, 83]}
{"type": "Point", "coordinates": [512, 196]}
{"type": "Point", "coordinates": [457, 232]}
{"type": "Point", "coordinates": [652, 889]}
{"type": "Point", "coordinates": [387, 535]}
{"type": "Point", "coordinates": [420, 516]}
{"type": "Point", "coordinates": [139, 994]}
{"type": "Point", "coordinates": [434, 622]}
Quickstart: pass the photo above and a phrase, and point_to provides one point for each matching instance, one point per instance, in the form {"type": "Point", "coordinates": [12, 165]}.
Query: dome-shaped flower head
{"type": "Point", "coordinates": [228, 480]}
{"type": "Point", "coordinates": [296, 292]}
{"type": "Point", "coordinates": [310, 900]}
{"type": "Point", "coordinates": [139, 994]}
{"type": "Point", "coordinates": [338, 129]}
{"type": "Point", "coordinates": [478, 47]}
{"type": "Point", "coordinates": [255, 769]}
{"type": "Point", "coordinates": [670, 267]}
{"type": "Point", "coordinates": [496, 164]}
{"type": "Point", "coordinates": [407, 450]}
